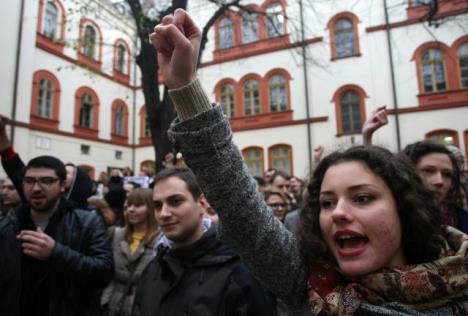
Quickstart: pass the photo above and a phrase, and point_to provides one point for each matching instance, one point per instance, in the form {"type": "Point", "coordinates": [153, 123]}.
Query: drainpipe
{"type": "Point", "coordinates": [17, 66]}
{"type": "Point", "coordinates": [134, 96]}
{"type": "Point", "coordinates": [306, 85]}
{"type": "Point", "coordinates": [392, 73]}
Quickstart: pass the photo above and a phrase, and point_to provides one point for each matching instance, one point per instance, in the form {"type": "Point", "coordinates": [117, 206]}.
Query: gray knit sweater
{"type": "Point", "coordinates": [202, 134]}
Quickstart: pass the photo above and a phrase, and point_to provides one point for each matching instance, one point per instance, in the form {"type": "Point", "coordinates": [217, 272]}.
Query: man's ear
{"type": "Point", "coordinates": [203, 203]}
{"type": "Point", "coordinates": [62, 186]}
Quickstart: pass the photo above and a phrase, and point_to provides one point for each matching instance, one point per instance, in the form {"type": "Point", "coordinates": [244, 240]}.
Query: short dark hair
{"type": "Point", "coordinates": [48, 162]}
{"type": "Point", "coordinates": [416, 151]}
{"type": "Point", "coordinates": [261, 182]}
{"type": "Point", "coordinates": [184, 174]}
{"type": "Point", "coordinates": [279, 173]}
{"type": "Point", "coordinates": [419, 217]}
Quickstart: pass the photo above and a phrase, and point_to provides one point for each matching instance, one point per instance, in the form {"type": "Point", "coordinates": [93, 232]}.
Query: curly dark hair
{"type": "Point", "coordinates": [420, 219]}
{"type": "Point", "coordinates": [423, 148]}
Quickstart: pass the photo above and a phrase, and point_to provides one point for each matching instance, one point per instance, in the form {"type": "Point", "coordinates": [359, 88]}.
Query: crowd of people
{"type": "Point", "coordinates": [369, 232]}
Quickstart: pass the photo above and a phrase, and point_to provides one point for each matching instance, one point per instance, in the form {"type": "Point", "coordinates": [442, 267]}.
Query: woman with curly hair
{"type": "Point", "coordinates": [370, 242]}
{"type": "Point", "coordinates": [440, 173]}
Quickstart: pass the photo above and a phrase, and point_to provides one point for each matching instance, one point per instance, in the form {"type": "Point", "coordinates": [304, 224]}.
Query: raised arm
{"type": "Point", "coordinates": [204, 137]}
{"type": "Point", "coordinates": [11, 162]}
{"type": "Point", "coordinates": [373, 123]}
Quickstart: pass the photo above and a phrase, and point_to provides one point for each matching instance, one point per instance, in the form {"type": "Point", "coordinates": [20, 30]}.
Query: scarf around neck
{"type": "Point", "coordinates": [442, 282]}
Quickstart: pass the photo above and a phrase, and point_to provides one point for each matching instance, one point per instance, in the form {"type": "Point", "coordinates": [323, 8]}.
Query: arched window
{"type": "Point", "coordinates": [280, 158]}
{"type": "Point", "coordinates": [433, 70]}
{"type": "Point", "coordinates": [226, 33]}
{"type": "Point", "coordinates": [120, 121]}
{"type": "Point", "coordinates": [251, 97]}
{"type": "Point", "coordinates": [51, 16]}
{"type": "Point", "coordinates": [121, 61]}
{"type": "Point", "coordinates": [344, 38]}
{"type": "Point", "coordinates": [86, 111]}
{"type": "Point", "coordinates": [444, 137]}
{"type": "Point", "coordinates": [227, 99]}
{"type": "Point", "coordinates": [253, 158]}
{"type": "Point", "coordinates": [90, 42]}
{"type": "Point", "coordinates": [274, 20]}
{"type": "Point", "coordinates": [44, 100]}
{"type": "Point", "coordinates": [277, 93]}
{"type": "Point", "coordinates": [463, 63]}
{"type": "Point", "coordinates": [249, 27]}
{"type": "Point", "coordinates": [350, 112]}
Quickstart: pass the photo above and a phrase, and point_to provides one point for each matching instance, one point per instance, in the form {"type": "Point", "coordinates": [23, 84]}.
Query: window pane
{"type": "Point", "coordinates": [350, 112]}
{"type": "Point", "coordinates": [344, 38]}
{"type": "Point", "coordinates": [50, 20]}
{"type": "Point", "coordinates": [433, 71]}
{"type": "Point", "coordinates": [254, 161]}
{"type": "Point", "coordinates": [463, 62]}
{"type": "Point", "coordinates": [86, 111]}
{"type": "Point", "coordinates": [121, 52]}
{"type": "Point", "coordinates": [251, 97]}
{"type": "Point", "coordinates": [147, 128]}
{"type": "Point", "coordinates": [119, 121]}
{"type": "Point", "coordinates": [277, 89]}
{"type": "Point", "coordinates": [280, 157]}
{"type": "Point", "coordinates": [89, 42]}
{"type": "Point", "coordinates": [227, 100]}
{"type": "Point", "coordinates": [249, 28]}
{"type": "Point", "coordinates": [275, 20]}
{"type": "Point", "coordinates": [226, 33]}
{"type": "Point", "coordinates": [443, 138]}
{"type": "Point", "coordinates": [44, 102]}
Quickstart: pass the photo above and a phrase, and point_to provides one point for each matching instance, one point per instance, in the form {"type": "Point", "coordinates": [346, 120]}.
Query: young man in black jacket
{"type": "Point", "coordinates": [67, 258]}
{"type": "Point", "coordinates": [193, 272]}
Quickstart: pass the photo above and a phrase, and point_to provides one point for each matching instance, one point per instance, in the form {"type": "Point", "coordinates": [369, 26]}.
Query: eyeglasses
{"type": "Point", "coordinates": [277, 205]}
{"type": "Point", "coordinates": [43, 182]}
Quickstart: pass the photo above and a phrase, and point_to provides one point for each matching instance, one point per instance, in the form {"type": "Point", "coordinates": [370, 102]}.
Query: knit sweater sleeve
{"type": "Point", "coordinates": [247, 225]}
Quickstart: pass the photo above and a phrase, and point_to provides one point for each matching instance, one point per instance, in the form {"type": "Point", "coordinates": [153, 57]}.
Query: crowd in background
{"type": "Point", "coordinates": [369, 232]}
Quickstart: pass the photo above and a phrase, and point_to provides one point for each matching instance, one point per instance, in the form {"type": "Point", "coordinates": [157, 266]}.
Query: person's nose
{"type": "Point", "coordinates": [165, 211]}
{"type": "Point", "coordinates": [437, 179]}
{"type": "Point", "coordinates": [36, 187]}
{"type": "Point", "coordinates": [341, 212]}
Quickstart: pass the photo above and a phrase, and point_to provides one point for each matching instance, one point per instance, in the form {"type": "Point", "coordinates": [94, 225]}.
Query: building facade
{"type": "Point", "coordinates": [280, 80]}
{"type": "Point", "coordinates": [71, 83]}
{"type": "Point", "coordinates": [287, 84]}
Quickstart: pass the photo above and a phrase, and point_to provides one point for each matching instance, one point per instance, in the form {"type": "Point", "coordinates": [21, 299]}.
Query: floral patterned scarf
{"type": "Point", "coordinates": [443, 282]}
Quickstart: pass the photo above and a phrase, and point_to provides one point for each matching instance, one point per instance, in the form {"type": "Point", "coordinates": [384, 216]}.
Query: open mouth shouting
{"type": "Point", "coordinates": [350, 243]}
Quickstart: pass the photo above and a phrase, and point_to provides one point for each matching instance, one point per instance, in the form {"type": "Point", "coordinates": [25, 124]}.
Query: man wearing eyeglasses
{"type": "Point", "coordinates": [66, 254]}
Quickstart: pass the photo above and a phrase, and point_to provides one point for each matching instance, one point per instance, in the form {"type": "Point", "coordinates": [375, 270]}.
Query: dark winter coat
{"type": "Point", "coordinates": [202, 279]}
{"type": "Point", "coordinates": [10, 272]}
{"type": "Point", "coordinates": [119, 295]}
{"type": "Point", "coordinates": [81, 264]}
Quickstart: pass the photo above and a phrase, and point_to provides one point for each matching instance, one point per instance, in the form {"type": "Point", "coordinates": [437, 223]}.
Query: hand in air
{"type": "Point", "coordinates": [177, 41]}
{"type": "Point", "coordinates": [377, 119]}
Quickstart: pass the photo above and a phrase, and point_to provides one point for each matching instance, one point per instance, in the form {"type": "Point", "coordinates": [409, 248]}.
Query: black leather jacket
{"type": "Point", "coordinates": [81, 264]}
{"type": "Point", "coordinates": [10, 278]}
{"type": "Point", "coordinates": [202, 279]}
